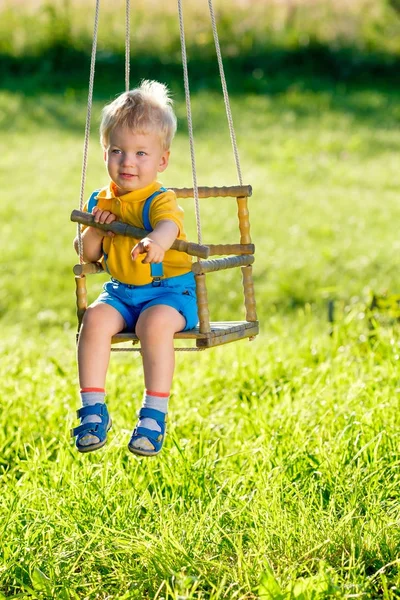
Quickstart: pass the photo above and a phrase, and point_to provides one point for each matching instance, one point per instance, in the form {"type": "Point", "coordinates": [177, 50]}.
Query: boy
{"type": "Point", "coordinates": [153, 296]}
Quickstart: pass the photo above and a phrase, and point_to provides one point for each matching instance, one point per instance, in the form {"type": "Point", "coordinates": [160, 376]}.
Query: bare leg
{"type": "Point", "coordinates": [155, 329]}
{"type": "Point", "coordinates": [100, 323]}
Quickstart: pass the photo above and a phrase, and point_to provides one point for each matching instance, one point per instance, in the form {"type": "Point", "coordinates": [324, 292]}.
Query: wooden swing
{"type": "Point", "coordinates": [208, 333]}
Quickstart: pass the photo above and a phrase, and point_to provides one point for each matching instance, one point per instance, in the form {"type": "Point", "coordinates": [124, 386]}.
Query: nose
{"type": "Point", "coordinates": [128, 160]}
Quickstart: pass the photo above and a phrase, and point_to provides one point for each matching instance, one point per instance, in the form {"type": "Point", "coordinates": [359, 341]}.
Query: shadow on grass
{"type": "Point", "coordinates": [61, 74]}
{"type": "Point", "coordinates": [263, 69]}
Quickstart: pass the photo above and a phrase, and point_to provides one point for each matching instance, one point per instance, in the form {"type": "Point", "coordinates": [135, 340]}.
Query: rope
{"type": "Point", "coordinates": [87, 126]}
{"type": "Point", "coordinates": [127, 45]}
{"type": "Point", "coordinates": [225, 92]}
{"type": "Point", "coordinates": [189, 120]}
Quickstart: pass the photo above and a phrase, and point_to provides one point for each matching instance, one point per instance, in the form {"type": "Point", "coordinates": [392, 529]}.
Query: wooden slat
{"type": "Point", "coordinates": [244, 222]}
{"type": "Point", "coordinates": [214, 250]}
{"type": "Point", "coordinates": [232, 191]}
{"type": "Point", "coordinates": [219, 329]}
{"type": "Point", "coordinates": [221, 249]}
{"type": "Point", "coordinates": [121, 228]}
{"type": "Point", "coordinates": [220, 264]}
{"type": "Point", "coordinates": [88, 269]}
{"type": "Point", "coordinates": [202, 303]}
{"type": "Point", "coordinates": [81, 298]}
{"type": "Point", "coordinates": [247, 330]}
{"type": "Point", "coordinates": [249, 296]}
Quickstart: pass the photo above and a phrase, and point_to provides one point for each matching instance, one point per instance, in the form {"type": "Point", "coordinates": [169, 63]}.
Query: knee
{"type": "Point", "coordinates": [147, 330]}
{"type": "Point", "coordinates": [153, 327]}
{"type": "Point", "coordinates": [100, 323]}
{"type": "Point", "coordinates": [91, 318]}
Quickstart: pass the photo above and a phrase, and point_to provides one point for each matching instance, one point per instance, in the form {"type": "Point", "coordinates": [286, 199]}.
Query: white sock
{"type": "Point", "coordinates": [157, 401]}
{"type": "Point", "coordinates": [89, 397]}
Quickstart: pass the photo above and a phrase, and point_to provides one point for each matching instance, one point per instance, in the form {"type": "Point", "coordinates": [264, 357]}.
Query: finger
{"type": "Point", "coordinates": [100, 216]}
{"type": "Point", "coordinates": [134, 254]}
{"type": "Point", "coordinates": [148, 258]}
{"type": "Point", "coordinates": [152, 258]}
{"type": "Point", "coordinates": [103, 217]}
{"type": "Point", "coordinates": [136, 251]}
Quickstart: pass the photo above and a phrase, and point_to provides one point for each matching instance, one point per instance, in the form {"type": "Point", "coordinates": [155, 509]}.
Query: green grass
{"type": "Point", "coordinates": [280, 474]}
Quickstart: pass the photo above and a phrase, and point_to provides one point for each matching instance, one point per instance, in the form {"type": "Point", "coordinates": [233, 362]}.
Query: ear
{"type": "Point", "coordinates": [164, 160]}
{"type": "Point", "coordinates": [105, 155]}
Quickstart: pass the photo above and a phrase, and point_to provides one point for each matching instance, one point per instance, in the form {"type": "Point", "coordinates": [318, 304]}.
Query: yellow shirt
{"type": "Point", "coordinates": [129, 208]}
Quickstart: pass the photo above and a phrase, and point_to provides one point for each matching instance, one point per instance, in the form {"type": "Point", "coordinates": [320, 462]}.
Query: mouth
{"type": "Point", "coordinates": [127, 176]}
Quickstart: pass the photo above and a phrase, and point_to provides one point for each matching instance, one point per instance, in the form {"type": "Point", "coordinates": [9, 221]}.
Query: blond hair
{"type": "Point", "coordinates": [146, 109]}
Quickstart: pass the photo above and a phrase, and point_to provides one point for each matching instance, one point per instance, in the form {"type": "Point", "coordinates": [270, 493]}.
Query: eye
{"type": "Point", "coordinates": [141, 153]}
{"type": "Point", "coordinates": [115, 151]}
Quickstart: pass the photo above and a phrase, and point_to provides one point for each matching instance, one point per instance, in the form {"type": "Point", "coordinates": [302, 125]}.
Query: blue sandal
{"type": "Point", "coordinates": [156, 438]}
{"type": "Point", "coordinates": [98, 430]}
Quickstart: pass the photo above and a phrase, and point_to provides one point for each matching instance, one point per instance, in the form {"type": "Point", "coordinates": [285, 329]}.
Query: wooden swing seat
{"type": "Point", "coordinates": [221, 332]}
{"type": "Point", "coordinates": [208, 333]}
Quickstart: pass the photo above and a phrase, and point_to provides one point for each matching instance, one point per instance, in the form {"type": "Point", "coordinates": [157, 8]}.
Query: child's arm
{"type": "Point", "coordinates": [92, 238]}
{"type": "Point", "coordinates": [157, 242]}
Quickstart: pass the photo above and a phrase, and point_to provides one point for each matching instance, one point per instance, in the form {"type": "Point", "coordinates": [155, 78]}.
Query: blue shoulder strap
{"type": "Point", "coordinates": [156, 269]}
{"type": "Point", "coordinates": [146, 208]}
{"type": "Point", "coordinates": [92, 201]}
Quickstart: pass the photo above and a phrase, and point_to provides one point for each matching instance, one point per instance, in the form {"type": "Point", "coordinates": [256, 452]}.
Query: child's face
{"type": "Point", "coordinates": [134, 159]}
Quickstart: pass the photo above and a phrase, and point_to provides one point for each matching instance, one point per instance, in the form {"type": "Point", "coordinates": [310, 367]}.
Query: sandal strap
{"type": "Point", "coordinates": [156, 438]}
{"type": "Point", "coordinates": [151, 413]}
{"type": "Point", "coordinates": [86, 428]}
{"type": "Point", "coordinates": [91, 409]}
{"type": "Point", "coordinates": [98, 429]}
{"type": "Point", "coordinates": [152, 435]}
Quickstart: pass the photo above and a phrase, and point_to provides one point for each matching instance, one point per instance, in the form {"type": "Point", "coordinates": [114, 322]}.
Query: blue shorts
{"type": "Point", "coordinates": [130, 300]}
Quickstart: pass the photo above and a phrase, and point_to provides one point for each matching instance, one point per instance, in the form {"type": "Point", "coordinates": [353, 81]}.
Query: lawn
{"type": "Point", "coordinates": [280, 474]}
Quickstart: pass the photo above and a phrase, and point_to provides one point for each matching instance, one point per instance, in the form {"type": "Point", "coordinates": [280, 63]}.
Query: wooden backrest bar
{"type": "Point", "coordinates": [232, 191]}
{"type": "Point", "coordinates": [220, 264]}
{"type": "Point", "coordinates": [121, 228]}
{"type": "Point", "coordinates": [220, 249]}
{"type": "Point", "coordinates": [88, 269]}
